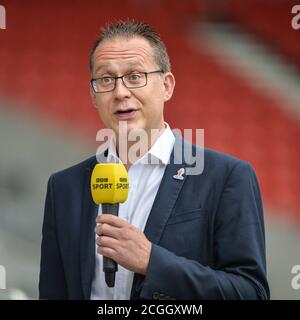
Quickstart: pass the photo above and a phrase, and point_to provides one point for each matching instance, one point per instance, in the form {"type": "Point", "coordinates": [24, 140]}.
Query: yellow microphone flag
{"type": "Point", "coordinates": [109, 183]}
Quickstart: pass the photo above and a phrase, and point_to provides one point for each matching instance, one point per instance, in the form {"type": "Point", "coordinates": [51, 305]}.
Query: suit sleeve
{"type": "Point", "coordinates": [52, 284]}
{"type": "Point", "coordinates": [239, 270]}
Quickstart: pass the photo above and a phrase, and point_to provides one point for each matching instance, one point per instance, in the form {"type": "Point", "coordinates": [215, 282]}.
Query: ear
{"type": "Point", "coordinates": [169, 84]}
{"type": "Point", "coordinates": [93, 96]}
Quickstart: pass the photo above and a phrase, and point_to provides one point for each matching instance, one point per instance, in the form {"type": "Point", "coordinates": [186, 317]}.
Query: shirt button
{"type": "Point", "coordinates": [155, 295]}
{"type": "Point", "coordinates": [161, 297]}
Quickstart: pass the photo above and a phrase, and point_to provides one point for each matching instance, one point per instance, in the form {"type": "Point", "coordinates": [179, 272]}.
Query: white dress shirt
{"type": "Point", "coordinates": [144, 181]}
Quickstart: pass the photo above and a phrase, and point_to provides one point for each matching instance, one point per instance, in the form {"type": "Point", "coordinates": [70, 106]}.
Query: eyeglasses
{"type": "Point", "coordinates": [131, 81]}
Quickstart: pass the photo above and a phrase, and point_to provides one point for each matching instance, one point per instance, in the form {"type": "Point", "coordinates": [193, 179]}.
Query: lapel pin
{"type": "Point", "coordinates": [179, 175]}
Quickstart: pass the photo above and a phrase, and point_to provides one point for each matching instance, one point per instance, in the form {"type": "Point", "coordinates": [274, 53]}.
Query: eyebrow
{"type": "Point", "coordinates": [130, 64]}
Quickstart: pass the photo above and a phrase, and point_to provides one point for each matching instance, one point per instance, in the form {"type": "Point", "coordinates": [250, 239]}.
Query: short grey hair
{"type": "Point", "coordinates": [130, 29]}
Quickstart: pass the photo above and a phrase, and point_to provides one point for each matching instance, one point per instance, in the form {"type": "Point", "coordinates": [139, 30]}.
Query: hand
{"type": "Point", "coordinates": [124, 243]}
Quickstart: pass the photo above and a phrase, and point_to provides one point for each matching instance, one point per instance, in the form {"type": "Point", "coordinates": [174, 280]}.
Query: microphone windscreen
{"type": "Point", "coordinates": [109, 183]}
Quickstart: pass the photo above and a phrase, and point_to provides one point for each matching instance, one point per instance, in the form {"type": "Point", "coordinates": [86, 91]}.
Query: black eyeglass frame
{"type": "Point", "coordinates": [93, 80]}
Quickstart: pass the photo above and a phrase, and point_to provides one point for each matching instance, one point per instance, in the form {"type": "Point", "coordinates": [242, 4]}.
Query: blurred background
{"type": "Point", "coordinates": [237, 67]}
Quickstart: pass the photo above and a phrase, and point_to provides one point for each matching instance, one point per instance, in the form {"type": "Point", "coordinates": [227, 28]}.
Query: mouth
{"type": "Point", "coordinates": [125, 114]}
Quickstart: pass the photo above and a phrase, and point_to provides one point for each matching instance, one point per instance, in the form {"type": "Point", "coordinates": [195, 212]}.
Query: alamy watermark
{"type": "Point", "coordinates": [2, 17]}
{"type": "Point", "coordinates": [295, 22]}
{"type": "Point", "coordinates": [295, 283]}
{"type": "Point", "coordinates": [2, 277]}
{"type": "Point", "coordinates": [132, 144]}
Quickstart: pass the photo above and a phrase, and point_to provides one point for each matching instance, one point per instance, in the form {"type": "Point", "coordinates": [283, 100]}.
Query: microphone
{"type": "Point", "coordinates": [109, 187]}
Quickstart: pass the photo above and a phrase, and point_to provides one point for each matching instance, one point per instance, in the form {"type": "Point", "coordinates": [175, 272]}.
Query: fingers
{"type": "Point", "coordinates": [110, 225]}
{"type": "Point", "coordinates": [112, 220]}
{"type": "Point", "coordinates": [106, 242]}
{"type": "Point", "coordinates": [107, 230]}
{"type": "Point", "coordinates": [107, 252]}
{"type": "Point", "coordinates": [123, 242]}
{"type": "Point", "coordinates": [107, 246]}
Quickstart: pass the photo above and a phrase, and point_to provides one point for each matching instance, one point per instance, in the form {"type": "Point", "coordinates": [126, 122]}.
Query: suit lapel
{"type": "Point", "coordinates": [164, 202]}
{"type": "Point", "coordinates": [87, 234]}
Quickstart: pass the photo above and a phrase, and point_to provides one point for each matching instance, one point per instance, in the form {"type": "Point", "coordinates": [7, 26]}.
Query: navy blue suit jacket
{"type": "Point", "coordinates": [207, 233]}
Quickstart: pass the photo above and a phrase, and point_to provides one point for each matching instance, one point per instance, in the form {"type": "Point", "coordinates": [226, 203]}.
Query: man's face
{"type": "Point", "coordinates": [121, 56]}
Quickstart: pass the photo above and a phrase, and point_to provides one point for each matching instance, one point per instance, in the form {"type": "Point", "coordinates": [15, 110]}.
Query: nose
{"type": "Point", "coordinates": [121, 92]}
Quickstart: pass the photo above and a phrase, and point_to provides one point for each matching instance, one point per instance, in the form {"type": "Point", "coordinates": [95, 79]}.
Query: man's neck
{"type": "Point", "coordinates": [151, 139]}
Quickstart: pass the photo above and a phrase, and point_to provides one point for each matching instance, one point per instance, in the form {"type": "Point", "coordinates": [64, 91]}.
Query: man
{"type": "Point", "coordinates": [194, 237]}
